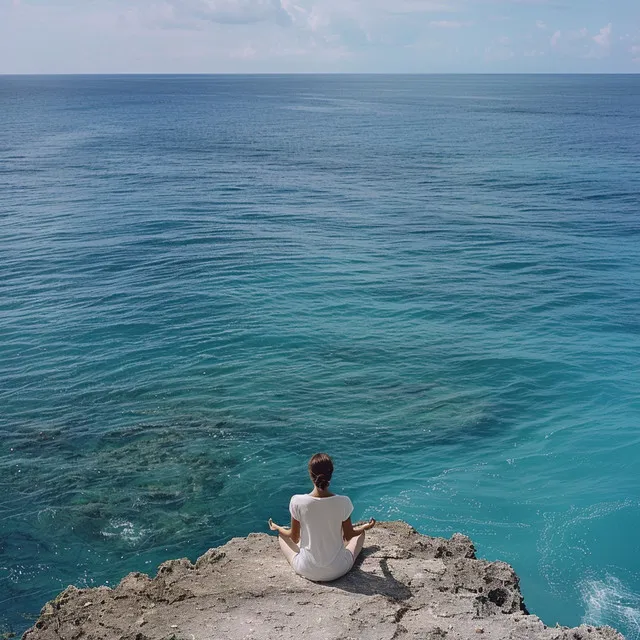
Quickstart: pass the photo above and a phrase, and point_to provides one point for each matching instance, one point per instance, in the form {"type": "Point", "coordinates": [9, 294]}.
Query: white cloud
{"type": "Point", "coordinates": [500, 50]}
{"type": "Point", "coordinates": [541, 24]}
{"type": "Point", "coordinates": [579, 43]}
{"type": "Point", "coordinates": [243, 53]}
{"type": "Point", "coordinates": [603, 38]}
{"type": "Point", "coordinates": [413, 6]}
{"type": "Point", "coordinates": [232, 11]}
{"type": "Point", "coordinates": [448, 24]}
{"type": "Point", "coordinates": [498, 53]}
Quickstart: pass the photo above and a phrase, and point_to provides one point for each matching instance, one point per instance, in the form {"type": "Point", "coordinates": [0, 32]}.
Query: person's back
{"type": "Point", "coordinates": [322, 555]}
{"type": "Point", "coordinates": [321, 523]}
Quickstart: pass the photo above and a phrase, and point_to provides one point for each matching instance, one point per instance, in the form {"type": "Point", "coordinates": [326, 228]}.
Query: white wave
{"type": "Point", "coordinates": [609, 602]}
{"type": "Point", "coordinates": [562, 532]}
{"type": "Point", "coordinates": [125, 530]}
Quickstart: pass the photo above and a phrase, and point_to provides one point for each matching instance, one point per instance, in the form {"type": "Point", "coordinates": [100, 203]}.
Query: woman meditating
{"type": "Point", "coordinates": [321, 523]}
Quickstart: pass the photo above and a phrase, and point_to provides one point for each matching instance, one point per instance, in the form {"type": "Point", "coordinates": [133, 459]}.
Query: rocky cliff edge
{"type": "Point", "coordinates": [404, 586]}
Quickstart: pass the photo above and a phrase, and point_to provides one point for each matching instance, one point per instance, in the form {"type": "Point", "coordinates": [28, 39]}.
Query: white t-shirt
{"type": "Point", "coordinates": [322, 552]}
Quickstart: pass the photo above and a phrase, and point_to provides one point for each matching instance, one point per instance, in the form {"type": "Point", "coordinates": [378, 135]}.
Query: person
{"type": "Point", "coordinates": [321, 544]}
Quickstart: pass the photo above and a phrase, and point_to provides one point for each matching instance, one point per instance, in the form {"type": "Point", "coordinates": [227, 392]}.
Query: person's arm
{"type": "Point", "coordinates": [349, 531]}
{"type": "Point", "coordinates": [292, 532]}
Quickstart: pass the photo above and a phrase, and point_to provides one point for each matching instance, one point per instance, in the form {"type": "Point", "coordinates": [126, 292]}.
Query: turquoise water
{"type": "Point", "coordinates": [436, 279]}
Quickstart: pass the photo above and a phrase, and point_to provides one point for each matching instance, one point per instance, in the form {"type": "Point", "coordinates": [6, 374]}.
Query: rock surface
{"type": "Point", "coordinates": [404, 586]}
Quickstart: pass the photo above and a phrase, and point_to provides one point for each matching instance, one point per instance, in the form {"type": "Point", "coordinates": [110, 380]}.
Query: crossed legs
{"type": "Point", "coordinates": [290, 549]}
{"type": "Point", "coordinates": [355, 545]}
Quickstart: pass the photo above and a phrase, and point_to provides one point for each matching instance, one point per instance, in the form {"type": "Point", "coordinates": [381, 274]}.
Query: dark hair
{"type": "Point", "coordinates": [320, 470]}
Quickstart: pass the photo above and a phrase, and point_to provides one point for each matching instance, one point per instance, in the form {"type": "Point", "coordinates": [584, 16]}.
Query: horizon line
{"type": "Point", "coordinates": [325, 73]}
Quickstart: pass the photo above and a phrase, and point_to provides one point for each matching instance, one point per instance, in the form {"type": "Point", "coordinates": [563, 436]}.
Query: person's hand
{"type": "Point", "coordinates": [370, 524]}
{"type": "Point", "coordinates": [273, 526]}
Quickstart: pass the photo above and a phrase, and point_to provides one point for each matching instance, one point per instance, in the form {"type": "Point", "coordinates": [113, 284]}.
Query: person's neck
{"type": "Point", "coordinates": [321, 493]}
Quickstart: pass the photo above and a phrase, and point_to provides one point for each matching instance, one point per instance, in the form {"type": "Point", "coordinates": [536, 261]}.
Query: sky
{"type": "Point", "coordinates": [312, 36]}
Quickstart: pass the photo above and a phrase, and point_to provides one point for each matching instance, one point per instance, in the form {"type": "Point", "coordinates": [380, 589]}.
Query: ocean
{"type": "Point", "coordinates": [206, 279]}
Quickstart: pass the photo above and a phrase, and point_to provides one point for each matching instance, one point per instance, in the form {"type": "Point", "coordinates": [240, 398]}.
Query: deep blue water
{"type": "Point", "coordinates": [436, 279]}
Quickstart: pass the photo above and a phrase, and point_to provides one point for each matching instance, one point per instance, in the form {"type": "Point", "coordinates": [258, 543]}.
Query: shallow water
{"type": "Point", "coordinates": [204, 280]}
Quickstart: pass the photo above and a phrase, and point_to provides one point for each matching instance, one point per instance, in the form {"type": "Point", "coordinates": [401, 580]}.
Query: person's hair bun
{"type": "Point", "coordinates": [321, 470]}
